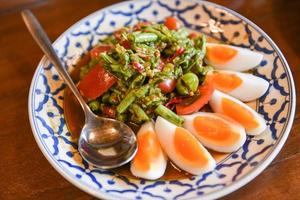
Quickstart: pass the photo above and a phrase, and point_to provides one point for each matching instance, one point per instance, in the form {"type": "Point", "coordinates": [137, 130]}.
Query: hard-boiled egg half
{"type": "Point", "coordinates": [215, 131]}
{"type": "Point", "coordinates": [222, 103]}
{"type": "Point", "coordinates": [243, 86]}
{"type": "Point", "coordinates": [183, 148]}
{"type": "Point", "coordinates": [229, 57]}
{"type": "Point", "coordinates": [150, 162]}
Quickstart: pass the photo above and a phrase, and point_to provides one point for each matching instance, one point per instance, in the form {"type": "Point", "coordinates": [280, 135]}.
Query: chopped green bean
{"type": "Point", "coordinates": [108, 58]}
{"type": "Point", "coordinates": [160, 35]}
{"type": "Point", "coordinates": [126, 102]}
{"type": "Point", "coordinates": [122, 117]}
{"type": "Point", "coordinates": [105, 98]}
{"type": "Point", "coordinates": [142, 37]}
{"type": "Point", "coordinates": [118, 68]}
{"type": "Point", "coordinates": [94, 105]}
{"type": "Point", "coordinates": [113, 99]}
{"type": "Point", "coordinates": [139, 113]}
{"type": "Point", "coordinates": [138, 81]}
{"type": "Point", "coordinates": [169, 115]}
{"type": "Point", "coordinates": [142, 91]}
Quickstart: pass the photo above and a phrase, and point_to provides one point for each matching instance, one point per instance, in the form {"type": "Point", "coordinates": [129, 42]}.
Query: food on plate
{"type": "Point", "coordinates": [146, 65]}
{"type": "Point", "coordinates": [243, 86]}
{"type": "Point", "coordinates": [215, 131]}
{"type": "Point", "coordinates": [160, 73]}
{"type": "Point", "coordinates": [150, 161]}
{"type": "Point", "coordinates": [183, 148]}
{"type": "Point", "coordinates": [222, 56]}
{"type": "Point", "coordinates": [222, 103]}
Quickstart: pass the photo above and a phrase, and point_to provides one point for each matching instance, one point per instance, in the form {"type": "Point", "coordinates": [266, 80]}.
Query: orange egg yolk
{"type": "Point", "coordinates": [239, 114]}
{"type": "Point", "coordinates": [215, 130]}
{"type": "Point", "coordinates": [148, 151]}
{"type": "Point", "coordinates": [220, 54]}
{"type": "Point", "coordinates": [224, 82]}
{"type": "Point", "coordinates": [188, 148]}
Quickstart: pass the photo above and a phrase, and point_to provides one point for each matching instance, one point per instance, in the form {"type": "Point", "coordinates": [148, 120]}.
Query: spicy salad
{"type": "Point", "coordinates": [147, 70]}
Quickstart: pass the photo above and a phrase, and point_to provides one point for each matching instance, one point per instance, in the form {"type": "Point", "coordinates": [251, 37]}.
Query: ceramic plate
{"type": "Point", "coordinates": [277, 106]}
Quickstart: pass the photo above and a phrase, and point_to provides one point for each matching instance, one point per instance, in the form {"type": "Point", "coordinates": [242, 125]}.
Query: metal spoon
{"type": "Point", "coordinates": [104, 143]}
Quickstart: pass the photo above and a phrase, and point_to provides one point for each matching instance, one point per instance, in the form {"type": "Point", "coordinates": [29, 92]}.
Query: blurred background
{"type": "Point", "coordinates": [26, 174]}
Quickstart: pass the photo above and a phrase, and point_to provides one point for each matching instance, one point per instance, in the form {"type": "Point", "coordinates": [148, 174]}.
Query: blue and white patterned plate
{"type": "Point", "coordinates": [277, 106]}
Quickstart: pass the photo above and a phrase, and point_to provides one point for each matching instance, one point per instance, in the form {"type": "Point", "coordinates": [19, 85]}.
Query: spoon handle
{"type": "Point", "coordinates": [43, 41]}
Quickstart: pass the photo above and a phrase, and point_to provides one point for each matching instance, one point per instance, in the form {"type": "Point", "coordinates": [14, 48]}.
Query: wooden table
{"type": "Point", "coordinates": [26, 174]}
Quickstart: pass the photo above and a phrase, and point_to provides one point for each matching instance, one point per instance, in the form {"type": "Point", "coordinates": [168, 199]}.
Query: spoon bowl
{"type": "Point", "coordinates": [105, 143]}
{"type": "Point", "coordinates": [115, 146]}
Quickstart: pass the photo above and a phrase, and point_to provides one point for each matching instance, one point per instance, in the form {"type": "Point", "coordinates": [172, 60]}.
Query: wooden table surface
{"type": "Point", "coordinates": [24, 171]}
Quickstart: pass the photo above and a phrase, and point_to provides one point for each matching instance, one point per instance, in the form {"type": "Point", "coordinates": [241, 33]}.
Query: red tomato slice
{"type": "Point", "coordinates": [167, 85]}
{"type": "Point", "coordinates": [96, 82]}
{"type": "Point", "coordinates": [95, 52]}
{"type": "Point", "coordinates": [193, 104]}
{"type": "Point", "coordinates": [126, 44]}
{"type": "Point", "coordinates": [172, 23]}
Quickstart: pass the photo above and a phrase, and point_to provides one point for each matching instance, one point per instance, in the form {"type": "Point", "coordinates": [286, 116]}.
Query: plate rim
{"type": "Point", "coordinates": [218, 193]}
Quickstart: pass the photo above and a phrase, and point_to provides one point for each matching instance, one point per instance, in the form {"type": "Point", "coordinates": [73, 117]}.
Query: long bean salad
{"type": "Point", "coordinates": [153, 68]}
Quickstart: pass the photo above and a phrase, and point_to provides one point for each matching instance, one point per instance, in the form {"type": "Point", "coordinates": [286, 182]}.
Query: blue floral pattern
{"type": "Point", "coordinates": [46, 100]}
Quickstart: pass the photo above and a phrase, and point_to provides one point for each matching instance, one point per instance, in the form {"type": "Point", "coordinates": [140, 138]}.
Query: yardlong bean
{"type": "Point", "coordinates": [126, 102]}
{"type": "Point", "coordinates": [142, 37]}
{"type": "Point", "coordinates": [169, 115]}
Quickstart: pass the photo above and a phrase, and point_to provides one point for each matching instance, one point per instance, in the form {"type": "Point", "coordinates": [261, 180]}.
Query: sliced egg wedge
{"type": "Point", "coordinates": [185, 151]}
{"type": "Point", "coordinates": [222, 56]}
{"type": "Point", "coordinates": [224, 104]}
{"type": "Point", "coordinates": [243, 86]}
{"type": "Point", "coordinates": [150, 161]}
{"type": "Point", "coordinates": [215, 131]}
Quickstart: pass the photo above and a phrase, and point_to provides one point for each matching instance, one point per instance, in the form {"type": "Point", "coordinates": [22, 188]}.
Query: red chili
{"type": "Point", "coordinates": [178, 52]}
{"type": "Point", "coordinates": [109, 111]}
{"type": "Point", "coordinates": [126, 44]}
{"type": "Point", "coordinates": [176, 100]}
{"type": "Point", "coordinates": [138, 66]}
{"type": "Point", "coordinates": [161, 65]}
